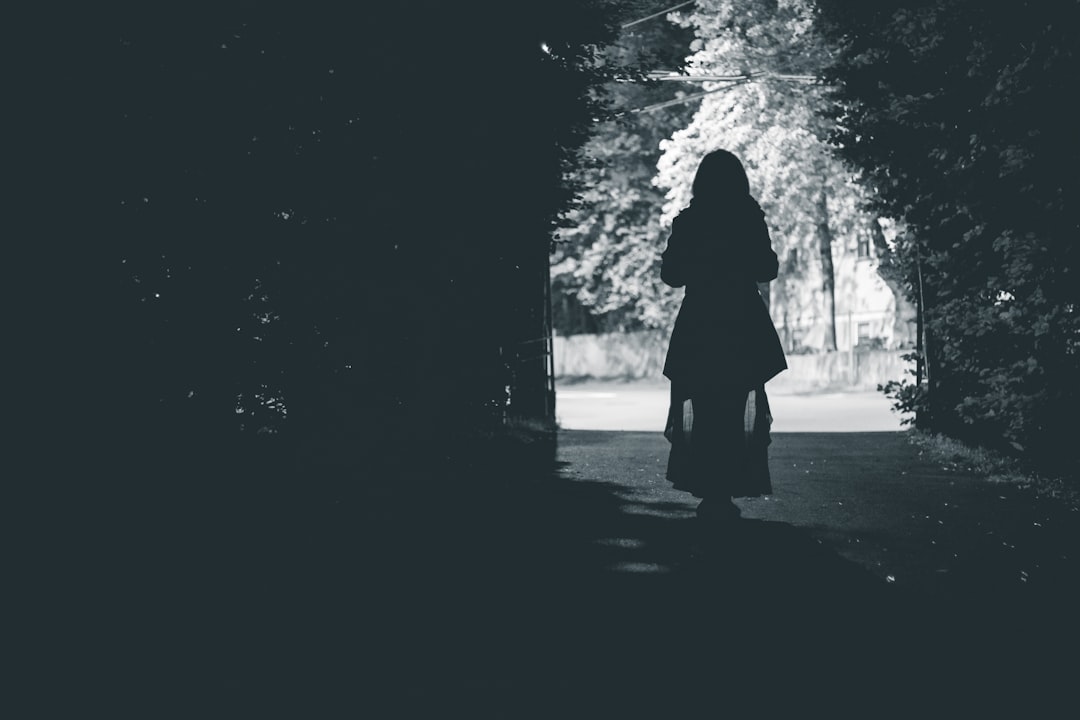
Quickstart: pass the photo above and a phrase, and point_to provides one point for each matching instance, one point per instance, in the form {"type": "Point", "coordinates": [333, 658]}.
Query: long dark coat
{"type": "Point", "coordinates": [723, 336]}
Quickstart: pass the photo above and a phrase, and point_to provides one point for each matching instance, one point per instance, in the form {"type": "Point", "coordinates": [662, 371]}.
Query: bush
{"type": "Point", "coordinates": [952, 111]}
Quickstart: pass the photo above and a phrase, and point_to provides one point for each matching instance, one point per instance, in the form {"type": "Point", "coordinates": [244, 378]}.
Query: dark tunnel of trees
{"type": "Point", "coordinates": [334, 225]}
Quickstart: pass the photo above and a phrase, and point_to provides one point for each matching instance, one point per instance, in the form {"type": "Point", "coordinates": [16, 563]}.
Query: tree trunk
{"type": "Point", "coordinates": [828, 279]}
{"type": "Point", "coordinates": [924, 416]}
{"type": "Point", "coordinates": [881, 248]}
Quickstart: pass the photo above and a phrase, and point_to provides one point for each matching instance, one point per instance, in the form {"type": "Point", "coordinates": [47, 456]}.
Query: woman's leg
{"type": "Point", "coordinates": [718, 447]}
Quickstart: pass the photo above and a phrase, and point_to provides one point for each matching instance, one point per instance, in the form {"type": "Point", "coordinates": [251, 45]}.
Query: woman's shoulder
{"type": "Point", "coordinates": [690, 216]}
{"type": "Point", "coordinates": [682, 223]}
{"type": "Point", "coordinates": [749, 207]}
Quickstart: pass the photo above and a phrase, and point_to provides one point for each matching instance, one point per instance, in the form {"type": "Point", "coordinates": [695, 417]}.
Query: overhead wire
{"type": "Point", "coordinates": [656, 15]}
{"type": "Point", "coordinates": [684, 99]}
{"type": "Point", "coordinates": [733, 80]}
{"type": "Point", "coordinates": [669, 77]}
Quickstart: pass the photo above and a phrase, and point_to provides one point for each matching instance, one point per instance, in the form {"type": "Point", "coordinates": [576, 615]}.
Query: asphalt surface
{"type": "Point", "coordinates": [869, 497]}
{"type": "Point", "coordinates": [869, 553]}
{"type": "Point", "coordinates": [873, 582]}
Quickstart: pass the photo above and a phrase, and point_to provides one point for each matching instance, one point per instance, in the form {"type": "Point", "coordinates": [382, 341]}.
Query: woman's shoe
{"type": "Point", "coordinates": [718, 510]}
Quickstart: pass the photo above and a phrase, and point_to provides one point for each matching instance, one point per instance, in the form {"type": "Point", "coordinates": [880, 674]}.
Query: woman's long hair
{"type": "Point", "coordinates": [720, 179]}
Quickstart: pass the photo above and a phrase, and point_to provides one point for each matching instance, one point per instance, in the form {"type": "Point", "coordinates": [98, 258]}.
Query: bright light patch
{"type": "Point", "coordinates": [638, 567]}
{"type": "Point", "coordinates": [628, 543]}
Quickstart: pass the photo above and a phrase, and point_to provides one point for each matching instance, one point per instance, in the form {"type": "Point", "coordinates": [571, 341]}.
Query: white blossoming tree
{"type": "Point", "coordinates": [769, 107]}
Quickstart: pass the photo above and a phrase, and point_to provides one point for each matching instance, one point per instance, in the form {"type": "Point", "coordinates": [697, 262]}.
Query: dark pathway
{"type": "Point", "coordinates": [871, 498]}
{"type": "Point", "coordinates": [581, 586]}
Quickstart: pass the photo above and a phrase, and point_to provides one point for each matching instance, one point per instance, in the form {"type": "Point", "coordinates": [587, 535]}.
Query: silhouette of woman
{"type": "Point", "coordinates": [724, 346]}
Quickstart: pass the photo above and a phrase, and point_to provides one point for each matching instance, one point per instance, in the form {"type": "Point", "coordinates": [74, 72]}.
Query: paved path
{"type": "Point", "coordinates": [870, 564]}
{"type": "Point", "coordinates": [642, 406]}
{"type": "Point", "coordinates": [873, 582]}
{"type": "Point", "coordinates": [870, 497]}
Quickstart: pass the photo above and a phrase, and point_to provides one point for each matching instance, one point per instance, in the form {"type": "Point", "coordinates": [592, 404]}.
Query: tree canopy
{"type": "Point", "coordinates": [334, 223]}
{"type": "Point", "coordinates": [772, 112]}
{"type": "Point", "coordinates": [606, 267]}
{"type": "Point", "coordinates": [953, 110]}
{"type": "Point", "coordinates": [940, 118]}
{"type": "Point", "coordinates": [749, 73]}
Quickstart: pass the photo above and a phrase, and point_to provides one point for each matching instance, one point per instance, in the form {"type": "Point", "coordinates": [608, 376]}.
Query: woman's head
{"type": "Point", "coordinates": [720, 176]}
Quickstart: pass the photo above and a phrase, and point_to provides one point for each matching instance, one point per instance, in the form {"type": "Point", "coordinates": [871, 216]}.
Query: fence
{"type": "Point", "coordinates": [640, 356]}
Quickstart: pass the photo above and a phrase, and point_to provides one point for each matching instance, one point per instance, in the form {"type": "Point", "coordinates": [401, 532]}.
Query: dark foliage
{"type": "Point", "coordinates": [334, 224]}
{"type": "Point", "coordinates": [954, 109]}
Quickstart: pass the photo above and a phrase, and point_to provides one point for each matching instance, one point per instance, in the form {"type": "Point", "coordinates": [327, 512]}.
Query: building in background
{"type": "Point", "coordinates": [872, 313]}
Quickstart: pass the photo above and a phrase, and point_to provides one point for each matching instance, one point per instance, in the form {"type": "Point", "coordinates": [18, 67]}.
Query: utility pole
{"type": "Point", "coordinates": [922, 370]}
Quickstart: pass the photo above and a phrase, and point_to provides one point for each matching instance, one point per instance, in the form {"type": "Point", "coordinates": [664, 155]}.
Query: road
{"type": "Point", "coordinates": [642, 407]}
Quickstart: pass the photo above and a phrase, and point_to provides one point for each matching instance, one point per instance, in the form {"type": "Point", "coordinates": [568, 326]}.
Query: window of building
{"type": "Point", "coordinates": [864, 245]}
{"type": "Point", "coordinates": [793, 260]}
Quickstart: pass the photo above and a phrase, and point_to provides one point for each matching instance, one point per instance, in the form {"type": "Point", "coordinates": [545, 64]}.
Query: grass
{"type": "Point", "coordinates": [993, 466]}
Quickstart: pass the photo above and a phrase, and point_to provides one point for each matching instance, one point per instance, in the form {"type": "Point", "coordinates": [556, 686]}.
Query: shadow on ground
{"type": "Point", "coordinates": [517, 587]}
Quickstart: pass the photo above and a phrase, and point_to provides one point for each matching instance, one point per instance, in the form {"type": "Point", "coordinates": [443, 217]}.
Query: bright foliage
{"type": "Point", "coordinates": [606, 267]}
{"type": "Point", "coordinates": [777, 120]}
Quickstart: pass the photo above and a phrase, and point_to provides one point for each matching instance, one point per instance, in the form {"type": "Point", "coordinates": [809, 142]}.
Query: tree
{"type": "Point", "coordinates": [323, 245]}
{"type": "Point", "coordinates": [768, 107]}
{"type": "Point", "coordinates": [952, 110]}
{"type": "Point", "coordinates": [606, 264]}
